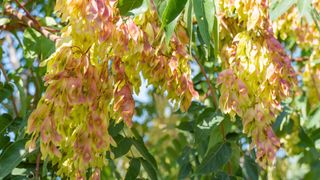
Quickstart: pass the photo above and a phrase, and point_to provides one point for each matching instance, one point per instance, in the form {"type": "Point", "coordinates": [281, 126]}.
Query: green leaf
{"type": "Point", "coordinates": [160, 5]}
{"type": "Point", "coordinates": [5, 91]}
{"type": "Point", "coordinates": [216, 36]}
{"type": "Point", "coordinates": [139, 145]}
{"type": "Point", "coordinates": [306, 141]}
{"type": "Point", "coordinates": [125, 6]}
{"type": "Point", "coordinates": [4, 141]}
{"type": "Point", "coordinates": [209, 118]}
{"type": "Point", "coordinates": [172, 11]}
{"type": "Point", "coordinates": [36, 45]}
{"type": "Point", "coordinates": [280, 120]}
{"type": "Point", "coordinates": [215, 159]}
{"type": "Point", "coordinates": [250, 168]}
{"type": "Point", "coordinates": [169, 29]}
{"type": "Point", "coordinates": [209, 10]}
{"type": "Point", "coordinates": [149, 169]}
{"type": "Point", "coordinates": [313, 121]}
{"type": "Point", "coordinates": [206, 121]}
{"type": "Point", "coordinates": [123, 147]}
{"type": "Point", "coordinates": [184, 163]}
{"type": "Point", "coordinates": [278, 8]}
{"type": "Point", "coordinates": [185, 171]}
{"type": "Point", "coordinates": [12, 156]}
{"type": "Point", "coordinates": [133, 170]}
{"type": "Point", "coordinates": [45, 167]}
{"type": "Point", "coordinates": [188, 17]}
{"type": "Point", "coordinates": [195, 107]}
{"type": "Point", "coordinates": [223, 176]}
{"type": "Point", "coordinates": [199, 10]}
{"type": "Point", "coordinates": [115, 128]}
{"type": "Point", "coordinates": [5, 121]}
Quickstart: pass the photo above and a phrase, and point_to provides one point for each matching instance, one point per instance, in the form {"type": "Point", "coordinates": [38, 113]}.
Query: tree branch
{"type": "Point", "coordinates": [211, 88]}
{"type": "Point", "coordinates": [28, 13]}
{"type": "Point", "coordinates": [216, 104]}
{"type": "Point", "coordinates": [31, 22]}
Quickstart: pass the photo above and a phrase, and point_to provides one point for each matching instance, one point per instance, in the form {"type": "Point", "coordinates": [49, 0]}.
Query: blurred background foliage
{"type": "Point", "coordinates": [164, 143]}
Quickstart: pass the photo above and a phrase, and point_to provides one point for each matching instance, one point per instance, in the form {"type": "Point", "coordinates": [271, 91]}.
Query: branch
{"type": "Point", "coordinates": [31, 22]}
{"type": "Point", "coordinates": [28, 13]}
{"type": "Point", "coordinates": [216, 104]}
{"type": "Point", "coordinates": [38, 165]}
{"type": "Point", "coordinates": [211, 88]}
{"type": "Point", "coordinates": [15, 109]}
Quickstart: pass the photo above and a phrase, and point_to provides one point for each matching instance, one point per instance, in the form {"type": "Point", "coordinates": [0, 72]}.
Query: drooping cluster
{"type": "Point", "coordinates": [91, 78]}
{"type": "Point", "coordinates": [258, 74]}
{"type": "Point", "coordinates": [300, 28]}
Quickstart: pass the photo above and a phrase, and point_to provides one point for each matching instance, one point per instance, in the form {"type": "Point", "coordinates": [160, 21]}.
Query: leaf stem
{"type": "Point", "coordinates": [211, 88]}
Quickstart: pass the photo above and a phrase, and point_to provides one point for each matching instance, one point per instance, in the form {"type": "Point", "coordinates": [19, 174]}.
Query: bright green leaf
{"type": "Point", "coordinates": [169, 29]}
{"type": "Point", "coordinates": [199, 10]}
{"type": "Point", "coordinates": [172, 11]}
{"type": "Point", "coordinates": [36, 45]}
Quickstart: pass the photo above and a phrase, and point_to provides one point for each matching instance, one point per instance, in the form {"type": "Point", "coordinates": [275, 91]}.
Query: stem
{"type": "Point", "coordinates": [216, 104]}
{"type": "Point", "coordinates": [15, 109]}
{"type": "Point", "coordinates": [38, 165]}
{"type": "Point", "coordinates": [211, 88]}
{"type": "Point", "coordinates": [28, 13]}
{"type": "Point", "coordinates": [31, 22]}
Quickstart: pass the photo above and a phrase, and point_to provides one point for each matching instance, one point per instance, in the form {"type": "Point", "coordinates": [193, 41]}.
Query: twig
{"type": "Point", "coordinates": [215, 102]}
{"type": "Point", "coordinates": [15, 109]}
{"type": "Point", "coordinates": [211, 88]}
{"type": "Point", "coordinates": [28, 13]}
{"type": "Point", "coordinates": [38, 166]}
{"type": "Point", "coordinates": [31, 23]}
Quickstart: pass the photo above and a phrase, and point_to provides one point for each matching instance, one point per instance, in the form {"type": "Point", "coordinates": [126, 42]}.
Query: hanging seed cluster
{"type": "Point", "coordinates": [257, 73]}
{"type": "Point", "coordinates": [91, 78]}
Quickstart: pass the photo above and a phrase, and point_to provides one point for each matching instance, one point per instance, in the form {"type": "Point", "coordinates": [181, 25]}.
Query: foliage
{"type": "Point", "coordinates": [160, 89]}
